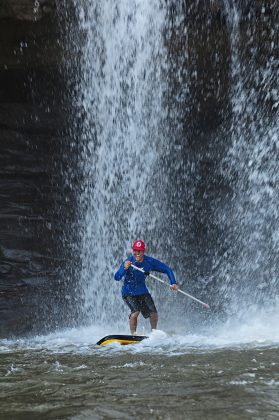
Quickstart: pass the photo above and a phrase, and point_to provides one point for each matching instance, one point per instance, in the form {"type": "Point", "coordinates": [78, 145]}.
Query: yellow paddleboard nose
{"type": "Point", "coordinates": [122, 339]}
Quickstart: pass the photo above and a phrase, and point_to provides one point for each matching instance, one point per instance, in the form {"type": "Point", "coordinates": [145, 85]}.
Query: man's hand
{"type": "Point", "coordinates": [174, 287]}
{"type": "Point", "coordinates": [127, 264]}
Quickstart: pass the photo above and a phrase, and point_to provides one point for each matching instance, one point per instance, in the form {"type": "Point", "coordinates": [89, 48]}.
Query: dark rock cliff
{"type": "Point", "coordinates": [36, 208]}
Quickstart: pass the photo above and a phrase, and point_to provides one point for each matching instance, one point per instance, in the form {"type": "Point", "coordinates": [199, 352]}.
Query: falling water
{"type": "Point", "coordinates": [121, 92]}
{"type": "Point", "coordinates": [144, 161]}
{"type": "Point", "coordinates": [251, 165]}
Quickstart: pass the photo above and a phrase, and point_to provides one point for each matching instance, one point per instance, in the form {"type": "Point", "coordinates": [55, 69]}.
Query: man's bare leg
{"type": "Point", "coordinates": [134, 322]}
{"type": "Point", "coordinates": [153, 320]}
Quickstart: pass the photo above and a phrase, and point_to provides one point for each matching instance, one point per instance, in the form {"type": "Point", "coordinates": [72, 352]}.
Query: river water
{"type": "Point", "coordinates": [228, 371]}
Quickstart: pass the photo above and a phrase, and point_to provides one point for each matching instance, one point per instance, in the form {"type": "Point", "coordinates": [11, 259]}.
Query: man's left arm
{"type": "Point", "coordinates": [161, 267]}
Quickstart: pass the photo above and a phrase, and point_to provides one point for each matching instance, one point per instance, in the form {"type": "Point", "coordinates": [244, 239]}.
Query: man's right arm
{"type": "Point", "coordinates": [122, 270]}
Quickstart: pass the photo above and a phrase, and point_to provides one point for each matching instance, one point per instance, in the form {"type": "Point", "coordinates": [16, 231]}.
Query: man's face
{"type": "Point", "coordinates": [138, 255]}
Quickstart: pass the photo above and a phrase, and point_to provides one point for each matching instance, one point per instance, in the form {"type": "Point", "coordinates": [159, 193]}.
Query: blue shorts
{"type": "Point", "coordinates": [141, 303]}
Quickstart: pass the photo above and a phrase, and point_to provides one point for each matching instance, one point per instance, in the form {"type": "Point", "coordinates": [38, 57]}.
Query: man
{"type": "Point", "coordinates": [134, 290]}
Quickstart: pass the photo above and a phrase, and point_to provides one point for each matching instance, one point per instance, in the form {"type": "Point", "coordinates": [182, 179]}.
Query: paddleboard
{"type": "Point", "coordinates": [122, 339]}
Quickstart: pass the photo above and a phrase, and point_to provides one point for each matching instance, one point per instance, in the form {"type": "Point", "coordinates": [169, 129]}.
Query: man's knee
{"type": "Point", "coordinates": [154, 316]}
{"type": "Point", "coordinates": [134, 315]}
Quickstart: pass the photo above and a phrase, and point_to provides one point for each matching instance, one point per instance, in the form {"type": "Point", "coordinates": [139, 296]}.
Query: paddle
{"type": "Point", "coordinates": [178, 290]}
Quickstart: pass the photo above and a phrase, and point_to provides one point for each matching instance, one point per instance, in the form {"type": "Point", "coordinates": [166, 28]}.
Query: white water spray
{"type": "Point", "coordinates": [252, 166]}
{"type": "Point", "coordinates": [121, 93]}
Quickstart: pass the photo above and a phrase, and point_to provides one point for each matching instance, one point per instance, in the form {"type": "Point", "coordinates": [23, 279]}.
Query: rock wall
{"type": "Point", "coordinates": [37, 205]}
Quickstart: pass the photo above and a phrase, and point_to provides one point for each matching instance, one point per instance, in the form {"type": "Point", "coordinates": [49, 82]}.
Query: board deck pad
{"type": "Point", "coordinates": [122, 339]}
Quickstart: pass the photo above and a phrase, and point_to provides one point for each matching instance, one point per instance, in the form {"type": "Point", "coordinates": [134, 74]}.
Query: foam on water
{"type": "Point", "coordinates": [257, 329]}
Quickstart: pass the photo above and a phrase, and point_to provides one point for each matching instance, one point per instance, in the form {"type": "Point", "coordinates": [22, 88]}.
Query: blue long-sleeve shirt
{"type": "Point", "coordinates": [134, 280]}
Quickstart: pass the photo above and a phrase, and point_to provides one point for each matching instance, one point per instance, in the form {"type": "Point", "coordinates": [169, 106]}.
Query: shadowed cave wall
{"type": "Point", "coordinates": [37, 204]}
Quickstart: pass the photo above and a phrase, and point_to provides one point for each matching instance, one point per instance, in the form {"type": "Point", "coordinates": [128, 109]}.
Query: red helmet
{"type": "Point", "coordinates": [138, 245]}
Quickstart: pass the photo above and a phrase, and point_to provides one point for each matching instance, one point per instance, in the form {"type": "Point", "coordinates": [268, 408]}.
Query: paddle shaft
{"type": "Point", "coordinates": [178, 290]}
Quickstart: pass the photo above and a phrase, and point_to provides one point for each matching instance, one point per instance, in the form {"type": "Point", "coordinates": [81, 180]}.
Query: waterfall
{"type": "Point", "coordinates": [251, 264]}
{"type": "Point", "coordinates": [120, 97]}
{"type": "Point", "coordinates": [179, 143]}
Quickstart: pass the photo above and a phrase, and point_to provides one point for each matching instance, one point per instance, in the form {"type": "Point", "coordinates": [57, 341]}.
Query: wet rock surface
{"type": "Point", "coordinates": [36, 206]}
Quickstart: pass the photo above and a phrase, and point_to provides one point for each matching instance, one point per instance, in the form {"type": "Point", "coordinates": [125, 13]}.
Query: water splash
{"type": "Point", "coordinates": [258, 328]}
